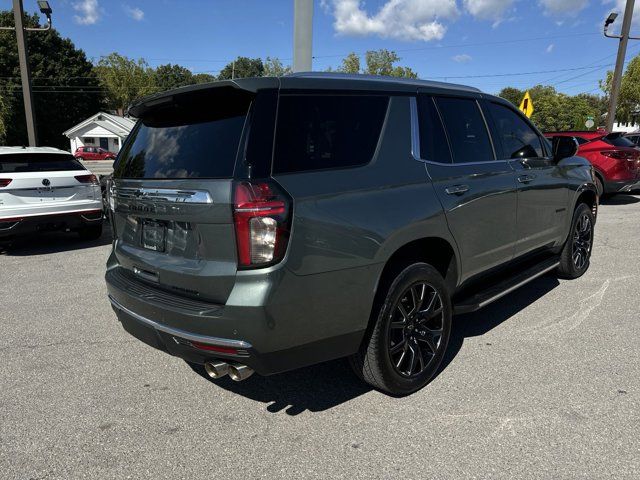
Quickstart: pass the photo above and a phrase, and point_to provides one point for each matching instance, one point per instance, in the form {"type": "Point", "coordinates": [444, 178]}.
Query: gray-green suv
{"type": "Point", "coordinates": [268, 224]}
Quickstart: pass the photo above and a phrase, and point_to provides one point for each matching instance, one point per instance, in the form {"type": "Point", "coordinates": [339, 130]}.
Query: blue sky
{"type": "Point", "coordinates": [489, 43]}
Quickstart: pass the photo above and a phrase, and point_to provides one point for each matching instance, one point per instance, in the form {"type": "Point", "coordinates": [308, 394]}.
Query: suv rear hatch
{"type": "Point", "coordinates": [171, 196]}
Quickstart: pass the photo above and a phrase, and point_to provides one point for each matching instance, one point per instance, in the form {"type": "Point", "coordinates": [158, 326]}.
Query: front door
{"type": "Point", "coordinates": [104, 143]}
{"type": "Point", "coordinates": [543, 193]}
{"type": "Point", "coordinates": [477, 192]}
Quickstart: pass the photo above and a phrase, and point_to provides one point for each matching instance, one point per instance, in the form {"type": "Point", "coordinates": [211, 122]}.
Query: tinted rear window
{"type": "Point", "coordinates": [38, 162]}
{"type": "Point", "coordinates": [618, 141]}
{"type": "Point", "coordinates": [316, 132]}
{"type": "Point", "coordinates": [195, 137]}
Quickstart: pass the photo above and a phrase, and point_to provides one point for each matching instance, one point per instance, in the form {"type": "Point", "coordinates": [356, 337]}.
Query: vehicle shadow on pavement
{"type": "Point", "coordinates": [52, 242]}
{"type": "Point", "coordinates": [329, 384]}
{"type": "Point", "coordinates": [478, 323]}
{"type": "Point", "coordinates": [621, 199]}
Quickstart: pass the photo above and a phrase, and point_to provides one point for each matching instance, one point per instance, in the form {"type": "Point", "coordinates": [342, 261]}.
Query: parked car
{"type": "Point", "coordinates": [43, 189]}
{"type": "Point", "coordinates": [633, 137]}
{"type": "Point", "coordinates": [93, 153]}
{"type": "Point", "coordinates": [615, 158]}
{"type": "Point", "coordinates": [317, 216]}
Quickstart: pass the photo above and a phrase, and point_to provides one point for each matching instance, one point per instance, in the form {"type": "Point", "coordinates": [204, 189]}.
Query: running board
{"type": "Point", "coordinates": [499, 290]}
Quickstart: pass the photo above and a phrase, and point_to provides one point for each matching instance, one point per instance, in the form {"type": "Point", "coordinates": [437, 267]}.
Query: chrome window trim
{"type": "Point", "coordinates": [415, 130]}
{"type": "Point", "coordinates": [163, 194]}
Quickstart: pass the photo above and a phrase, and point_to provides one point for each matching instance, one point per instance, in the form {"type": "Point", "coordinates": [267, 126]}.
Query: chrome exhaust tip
{"type": "Point", "coordinates": [239, 372]}
{"type": "Point", "coordinates": [216, 369]}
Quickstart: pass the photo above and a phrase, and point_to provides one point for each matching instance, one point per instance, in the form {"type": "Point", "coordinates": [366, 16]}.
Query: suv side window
{"type": "Point", "coordinates": [317, 132]}
{"type": "Point", "coordinates": [466, 128]}
{"type": "Point", "coordinates": [433, 139]}
{"type": "Point", "coordinates": [517, 138]}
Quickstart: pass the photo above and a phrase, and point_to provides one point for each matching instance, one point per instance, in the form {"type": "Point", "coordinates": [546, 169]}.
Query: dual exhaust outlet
{"type": "Point", "coordinates": [236, 371]}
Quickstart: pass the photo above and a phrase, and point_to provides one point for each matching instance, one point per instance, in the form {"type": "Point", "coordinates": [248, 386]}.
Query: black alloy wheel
{"type": "Point", "coordinates": [582, 240]}
{"type": "Point", "coordinates": [415, 330]}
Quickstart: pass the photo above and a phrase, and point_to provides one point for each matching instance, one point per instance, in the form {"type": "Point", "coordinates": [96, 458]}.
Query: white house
{"type": "Point", "coordinates": [101, 130]}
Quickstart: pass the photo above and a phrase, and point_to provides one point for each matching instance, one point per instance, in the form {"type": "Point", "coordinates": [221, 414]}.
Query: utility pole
{"type": "Point", "coordinates": [622, 53]}
{"type": "Point", "coordinates": [25, 73]}
{"type": "Point", "coordinates": [23, 57]}
{"type": "Point", "coordinates": [302, 35]}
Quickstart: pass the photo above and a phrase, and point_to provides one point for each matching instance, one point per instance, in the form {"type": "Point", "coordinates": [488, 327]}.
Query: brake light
{"type": "Point", "coordinates": [5, 181]}
{"type": "Point", "coordinates": [622, 154]}
{"type": "Point", "coordinates": [261, 216]}
{"type": "Point", "coordinates": [91, 178]}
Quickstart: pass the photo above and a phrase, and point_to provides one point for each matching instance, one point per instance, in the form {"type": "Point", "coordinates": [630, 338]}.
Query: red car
{"type": "Point", "coordinates": [615, 159]}
{"type": "Point", "coordinates": [94, 153]}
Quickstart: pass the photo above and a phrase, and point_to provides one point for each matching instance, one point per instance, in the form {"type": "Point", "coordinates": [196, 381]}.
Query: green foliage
{"type": "Point", "coordinates": [169, 76]}
{"type": "Point", "coordinates": [203, 78]}
{"type": "Point", "coordinates": [629, 98]}
{"type": "Point", "coordinates": [554, 111]}
{"type": "Point", "coordinates": [273, 67]}
{"type": "Point", "coordinates": [125, 80]}
{"type": "Point", "coordinates": [378, 62]}
{"type": "Point", "coordinates": [243, 67]}
{"type": "Point", "coordinates": [66, 89]}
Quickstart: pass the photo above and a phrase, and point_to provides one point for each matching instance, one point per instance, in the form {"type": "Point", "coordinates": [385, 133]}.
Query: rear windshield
{"type": "Point", "coordinates": [618, 141]}
{"type": "Point", "coordinates": [194, 137]}
{"type": "Point", "coordinates": [38, 162]}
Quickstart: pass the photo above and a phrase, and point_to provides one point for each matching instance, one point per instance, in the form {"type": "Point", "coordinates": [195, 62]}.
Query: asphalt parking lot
{"type": "Point", "coordinates": [542, 384]}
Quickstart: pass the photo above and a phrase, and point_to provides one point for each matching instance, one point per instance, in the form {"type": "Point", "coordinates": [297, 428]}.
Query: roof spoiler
{"type": "Point", "coordinates": [152, 102]}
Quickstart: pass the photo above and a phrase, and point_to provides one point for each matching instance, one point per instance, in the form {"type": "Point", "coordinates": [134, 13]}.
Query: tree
{"type": "Point", "coordinates": [170, 76]}
{"type": "Point", "coordinates": [125, 80]}
{"type": "Point", "coordinates": [3, 113]}
{"type": "Point", "coordinates": [378, 62]}
{"type": "Point", "coordinates": [350, 64]}
{"type": "Point", "coordinates": [629, 98]}
{"type": "Point", "coordinates": [273, 67]}
{"type": "Point", "coordinates": [203, 78]}
{"type": "Point", "coordinates": [514, 95]}
{"type": "Point", "coordinates": [242, 67]}
{"type": "Point", "coordinates": [66, 89]}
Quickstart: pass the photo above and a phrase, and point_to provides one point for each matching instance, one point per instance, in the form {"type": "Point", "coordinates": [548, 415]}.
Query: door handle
{"type": "Point", "coordinates": [526, 178]}
{"type": "Point", "coordinates": [457, 189]}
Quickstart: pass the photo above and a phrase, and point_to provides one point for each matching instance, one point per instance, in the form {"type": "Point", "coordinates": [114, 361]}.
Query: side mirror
{"type": "Point", "coordinates": [564, 147]}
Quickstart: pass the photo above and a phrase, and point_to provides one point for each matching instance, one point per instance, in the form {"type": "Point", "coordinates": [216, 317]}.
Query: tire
{"type": "Point", "coordinates": [80, 159]}
{"type": "Point", "coordinates": [91, 233]}
{"type": "Point", "coordinates": [599, 186]}
{"type": "Point", "coordinates": [418, 335]}
{"type": "Point", "coordinates": [576, 253]}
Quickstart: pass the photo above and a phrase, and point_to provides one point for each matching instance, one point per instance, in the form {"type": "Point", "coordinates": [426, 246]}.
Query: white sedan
{"type": "Point", "coordinates": [43, 189]}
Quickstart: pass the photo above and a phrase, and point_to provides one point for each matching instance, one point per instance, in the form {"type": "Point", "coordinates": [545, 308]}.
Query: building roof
{"type": "Point", "coordinates": [306, 81]}
{"type": "Point", "coordinates": [120, 126]}
{"type": "Point", "coordinates": [14, 150]}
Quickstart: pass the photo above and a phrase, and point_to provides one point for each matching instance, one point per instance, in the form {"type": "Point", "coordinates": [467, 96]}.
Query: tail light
{"type": "Point", "coordinates": [262, 221]}
{"type": "Point", "coordinates": [622, 154]}
{"type": "Point", "coordinates": [90, 178]}
{"type": "Point", "coordinates": [5, 181]}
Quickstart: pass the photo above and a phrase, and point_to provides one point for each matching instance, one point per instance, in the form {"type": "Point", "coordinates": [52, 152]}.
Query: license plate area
{"type": "Point", "coordinates": [154, 235]}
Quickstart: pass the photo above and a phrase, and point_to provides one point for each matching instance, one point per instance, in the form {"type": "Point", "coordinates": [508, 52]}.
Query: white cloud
{"type": "Point", "coordinates": [487, 9]}
{"type": "Point", "coordinates": [462, 58]}
{"type": "Point", "coordinates": [89, 12]}
{"type": "Point", "coordinates": [550, 48]}
{"type": "Point", "coordinates": [563, 6]}
{"type": "Point", "coordinates": [400, 19]}
{"type": "Point", "coordinates": [134, 12]}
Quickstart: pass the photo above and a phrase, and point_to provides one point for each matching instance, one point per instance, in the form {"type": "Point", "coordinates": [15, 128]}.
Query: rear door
{"type": "Point", "coordinates": [543, 190]}
{"type": "Point", "coordinates": [171, 196]}
{"type": "Point", "coordinates": [477, 192]}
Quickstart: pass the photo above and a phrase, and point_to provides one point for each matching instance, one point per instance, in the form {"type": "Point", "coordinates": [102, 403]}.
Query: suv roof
{"type": "Point", "coordinates": [305, 81]}
{"type": "Point", "coordinates": [14, 150]}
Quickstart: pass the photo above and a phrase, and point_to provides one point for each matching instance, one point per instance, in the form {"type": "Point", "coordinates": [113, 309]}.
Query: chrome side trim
{"type": "Point", "coordinates": [162, 194]}
{"type": "Point", "coordinates": [223, 342]}
{"type": "Point", "coordinates": [517, 285]}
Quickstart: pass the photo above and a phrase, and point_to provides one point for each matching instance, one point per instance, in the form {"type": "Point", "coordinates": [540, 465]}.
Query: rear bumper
{"type": "Point", "coordinates": [623, 186]}
{"type": "Point", "coordinates": [270, 337]}
{"type": "Point", "coordinates": [25, 225]}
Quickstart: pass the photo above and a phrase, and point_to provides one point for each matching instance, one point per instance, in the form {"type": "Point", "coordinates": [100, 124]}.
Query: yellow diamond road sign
{"type": "Point", "coordinates": [526, 105]}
